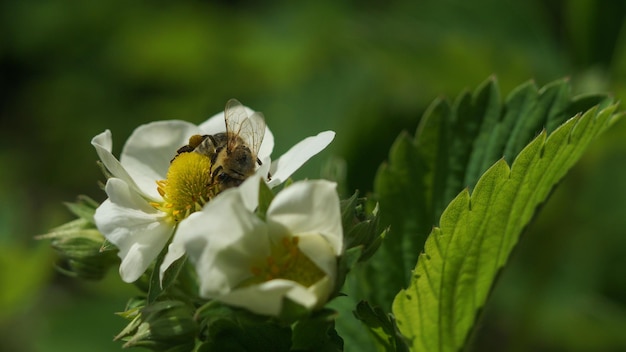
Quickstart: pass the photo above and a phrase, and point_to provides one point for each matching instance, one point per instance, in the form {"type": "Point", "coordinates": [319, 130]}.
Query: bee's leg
{"type": "Point", "coordinates": [184, 149]}
{"type": "Point", "coordinates": [259, 161]}
{"type": "Point", "coordinates": [269, 176]}
{"type": "Point", "coordinates": [181, 150]}
{"type": "Point", "coordinates": [216, 172]}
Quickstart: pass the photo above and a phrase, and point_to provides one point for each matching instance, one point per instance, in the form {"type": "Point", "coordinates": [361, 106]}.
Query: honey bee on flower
{"type": "Point", "coordinates": [233, 153]}
{"type": "Point", "coordinates": [155, 185]}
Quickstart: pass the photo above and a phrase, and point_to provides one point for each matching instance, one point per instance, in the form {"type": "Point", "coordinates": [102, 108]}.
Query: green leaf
{"type": "Point", "coordinates": [317, 333]}
{"type": "Point", "coordinates": [477, 232]}
{"type": "Point", "coordinates": [352, 331]}
{"type": "Point", "coordinates": [380, 326]}
{"type": "Point", "coordinates": [454, 145]}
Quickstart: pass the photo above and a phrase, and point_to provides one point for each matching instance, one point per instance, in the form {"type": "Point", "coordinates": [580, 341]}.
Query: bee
{"type": "Point", "coordinates": [233, 153]}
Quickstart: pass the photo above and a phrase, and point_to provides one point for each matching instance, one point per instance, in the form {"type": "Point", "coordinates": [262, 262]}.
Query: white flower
{"type": "Point", "coordinates": [246, 262]}
{"type": "Point", "coordinates": [146, 203]}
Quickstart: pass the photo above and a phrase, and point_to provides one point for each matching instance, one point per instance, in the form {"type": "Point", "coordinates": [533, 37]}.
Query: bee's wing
{"type": "Point", "coordinates": [250, 129]}
{"type": "Point", "coordinates": [253, 131]}
{"type": "Point", "coordinates": [234, 115]}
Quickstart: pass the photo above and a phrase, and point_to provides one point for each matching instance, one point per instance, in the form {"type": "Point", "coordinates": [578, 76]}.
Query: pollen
{"type": "Point", "coordinates": [289, 263]}
{"type": "Point", "coordinates": [187, 187]}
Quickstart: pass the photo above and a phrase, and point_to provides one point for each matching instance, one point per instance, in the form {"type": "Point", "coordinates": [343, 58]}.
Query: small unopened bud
{"type": "Point", "coordinates": [83, 251]}
{"type": "Point", "coordinates": [80, 249]}
{"type": "Point", "coordinates": [160, 326]}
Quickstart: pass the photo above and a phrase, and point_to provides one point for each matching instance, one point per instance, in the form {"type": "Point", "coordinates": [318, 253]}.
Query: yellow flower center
{"type": "Point", "coordinates": [187, 187]}
{"type": "Point", "coordinates": [289, 263]}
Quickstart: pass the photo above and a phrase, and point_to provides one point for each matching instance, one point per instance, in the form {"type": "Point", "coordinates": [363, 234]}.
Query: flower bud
{"type": "Point", "coordinates": [160, 326]}
{"type": "Point", "coordinates": [80, 249]}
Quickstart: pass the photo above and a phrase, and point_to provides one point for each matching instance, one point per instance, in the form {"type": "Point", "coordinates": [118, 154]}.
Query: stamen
{"type": "Point", "coordinates": [187, 187]}
{"type": "Point", "coordinates": [287, 262]}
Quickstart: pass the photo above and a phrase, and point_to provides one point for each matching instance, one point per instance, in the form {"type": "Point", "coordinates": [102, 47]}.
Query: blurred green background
{"type": "Point", "coordinates": [366, 69]}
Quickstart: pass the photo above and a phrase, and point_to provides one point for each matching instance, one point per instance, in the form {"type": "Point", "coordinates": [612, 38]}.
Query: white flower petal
{"type": "Point", "coordinates": [174, 251]}
{"type": "Point", "coordinates": [226, 240]}
{"type": "Point", "coordinates": [316, 248]}
{"type": "Point", "coordinates": [267, 298]}
{"type": "Point", "coordinates": [303, 296]}
{"type": "Point", "coordinates": [217, 239]}
{"type": "Point", "coordinates": [267, 146]}
{"type": "Point", "coordinates": [121, 194]}
{"type": "Point", "coordinates": [103, 144]}
{"type": "Point", "coordinates": [150, 148]}
{"type": "Point", "coordinates": [143, 250]}
{"type": "Point", "coordinates": [133, 226]}
{"type": "Point", "coordinates": [309, 207]}
{"type": "Point", "coordinates": [263, 170]}
{"type": "Point", "coordinates": [295, 157]}
{"type": "Point", "coordinates": [249, 191]}
{"type": "Point", "coordinates": [320, 290]}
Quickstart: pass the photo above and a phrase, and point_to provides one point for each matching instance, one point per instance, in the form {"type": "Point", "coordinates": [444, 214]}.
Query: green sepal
{"type": "Point", "coordinates": [154, 279]}
{"type": "Point", "coordinates": [158, 287]}
{"type": "Point", "coordinates": [107, 174]}
{"type": "Point", "coordinates": [224, 328]}
{"type": "Point", "coordinates": [80, 255]}
{"type": "Point", "coordinates": [291, 311]}
{"type": "Point", "coordinates": [317, 333]}
{"type": "Point", "coordinates": [360, 226]}
{"type": "Point", "coordinates": [173, 273]}
{"type": "Point", "coordinates": [133, 306]}
{"type": "Point", "coordinates": [84, 208]}
{"type": "Point", "coordinates": [265, 198]}
{"type": "Point", "coordinates": [107, 246]}
{"type": "Point", "coordinates": [344, 263]}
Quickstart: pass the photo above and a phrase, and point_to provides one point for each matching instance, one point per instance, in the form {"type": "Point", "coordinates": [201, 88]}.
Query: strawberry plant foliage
{"type": "Point", "coordinates": [478, 230]}
{"type": "Point", "coordinates": [454, 145]}
{"type": "Point", "coordinates": [477, 169]}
